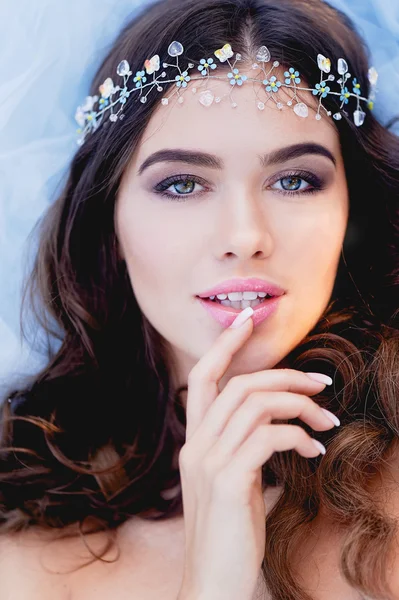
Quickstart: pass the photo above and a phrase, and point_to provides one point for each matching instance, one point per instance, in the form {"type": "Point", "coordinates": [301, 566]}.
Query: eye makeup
{"type": "Point", "coordinates": [316, 184]}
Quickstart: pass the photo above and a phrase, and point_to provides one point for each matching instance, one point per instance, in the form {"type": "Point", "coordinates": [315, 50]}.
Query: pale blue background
{"type": "Point", "coordinates": [50, 50]}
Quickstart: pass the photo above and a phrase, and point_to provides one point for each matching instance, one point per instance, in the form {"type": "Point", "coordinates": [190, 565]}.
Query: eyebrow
{"type": "Point", "coordinates": [203, 159]}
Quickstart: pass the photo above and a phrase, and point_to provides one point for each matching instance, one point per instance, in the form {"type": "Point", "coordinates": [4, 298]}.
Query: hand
{"type": "Point", "coordinates": [229, 437]}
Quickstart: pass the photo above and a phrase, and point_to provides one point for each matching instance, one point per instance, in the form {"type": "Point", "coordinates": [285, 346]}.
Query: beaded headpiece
{"type": "Point", "coordinates": [89, 118]}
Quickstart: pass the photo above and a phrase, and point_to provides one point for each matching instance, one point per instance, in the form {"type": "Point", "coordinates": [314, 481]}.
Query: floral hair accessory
{"type": "Point", "coordinates": [89, 118]}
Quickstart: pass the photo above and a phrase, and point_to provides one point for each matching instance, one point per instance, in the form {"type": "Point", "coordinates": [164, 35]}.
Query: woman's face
{"type": "Point", "coordinates": [232, 220]}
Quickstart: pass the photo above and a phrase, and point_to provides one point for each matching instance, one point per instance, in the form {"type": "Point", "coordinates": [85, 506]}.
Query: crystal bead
{"type": "Point", "coordinates": [301, 109]}
{"type": "Point", "coordinates": [323, 63]}
{"type": "Point", "coordinates": [175, 49]}
{"type": "Point", "coordinates": [123, 68]}
{"type": "Point", "coordinates": [279, 105]}
{"type": "Point", "coordinates": [263, 54]}
{"type": "Point", "coordinates": [165, 101]}
{"type": "Point", "coordinates": [113, 117]}
{"type": "Point", "coordinates": [234, 104]}
{"type": "Point", "coordinates": [191, 65]}
{"type": "Point", "coordinates": [276, 63]}
{"type": "Point", "coordinates": [206, 98]}
{"type": "Point", "coordinates": [143, 99]}
{"type": "Point", "coordinates": [181, 100]}
{"type": "Point", "coordinates": [372, 75]}
{"type": "Point", "coordinates": [255, 66]}
{"type": "Point", "coordinates": [318, 117]}
{"type": "Point", "coordinates": [121, 117]}
{"type": "Point", "coordinates": [261, 105]}
{"type": "Point", "coordinates": [337, 116]}
{"type": "Point", "coordinates": [359, 117]}
{"type": "Point", "coordinates": [289, 103]}
{"type": "Point", "coordinates": [342, 66]}
{"type": "Point", "coordinates": [217, 99]}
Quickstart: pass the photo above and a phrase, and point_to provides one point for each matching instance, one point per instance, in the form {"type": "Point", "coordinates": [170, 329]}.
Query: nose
{"type": "Point", "coordinates": [243, 228]}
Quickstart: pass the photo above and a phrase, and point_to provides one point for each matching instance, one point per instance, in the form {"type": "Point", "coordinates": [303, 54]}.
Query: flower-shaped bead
{"type": "Point", "coordinates": [272, 84]}
{"type": "Point", "coordinates": [91, 117]}
{"type": "Point", "coordinates": [103, 102]}
{"type": "Point", "coordinates": [181, 80]}
{"type": "Point", "coordinates": [124, 95]}
{"type": "Point", "coordinates": [80, 116]}
{"type": "Point", "coordinates": [356, 86]}
{"type": "Point", "coordinates": [321, 89]}
{"type": "Point", "coordinates": [140, 78]}
{"type": "Point", "coordinates": [205, 65]}
{"type": "Point", "coordinates": [292, 75]}
{"type": "Point", "coordinates": [345, 96]}
{"type": "Point", "coordinates": [236, 78]}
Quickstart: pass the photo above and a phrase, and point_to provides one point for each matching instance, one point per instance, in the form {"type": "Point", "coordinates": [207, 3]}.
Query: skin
{"type": "Point", "coordinates": [235, 223]}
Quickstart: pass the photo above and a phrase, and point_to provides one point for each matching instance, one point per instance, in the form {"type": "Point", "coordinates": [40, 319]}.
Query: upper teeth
{"type": "Point", "coordinates": [238, 296]}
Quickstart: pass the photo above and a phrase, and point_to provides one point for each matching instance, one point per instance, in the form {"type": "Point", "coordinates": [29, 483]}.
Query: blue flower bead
{"type": "Point", "coordinates": [236, 78]}
{"type": "Point", "coordinates": [356, 87]}
{"type": "Point", "coordinates": [140, 78]}
{"type": "Point", "coordinates": [272, 84]}
{"type": "Point", "coordinates": [321, 89]}
{"type": "Point", "coordinates": [345, 96]}
{"type": "Point", "coordinates": [292, 75]}
{"type": "Point", "coordinates": [181, 80]}
{"type": "Point", "coordinates": [206, 64]}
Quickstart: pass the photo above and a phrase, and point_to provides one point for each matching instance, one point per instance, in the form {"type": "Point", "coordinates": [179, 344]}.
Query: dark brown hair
{"type": "Point", "coordinates": [95, 435]}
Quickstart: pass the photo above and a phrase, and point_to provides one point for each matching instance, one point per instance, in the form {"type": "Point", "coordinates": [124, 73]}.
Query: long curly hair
{"type": "Point", "coordinates": [94, 437]}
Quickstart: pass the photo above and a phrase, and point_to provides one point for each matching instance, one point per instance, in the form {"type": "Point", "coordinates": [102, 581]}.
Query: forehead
{"type": "Point", "coordinates": [243, 129]}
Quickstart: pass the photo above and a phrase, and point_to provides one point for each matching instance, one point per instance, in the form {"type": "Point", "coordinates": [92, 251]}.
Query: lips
{"type": "Point", "coordinates": [243, 285]}
{"type": "Point", "coordinates": [225, 315]}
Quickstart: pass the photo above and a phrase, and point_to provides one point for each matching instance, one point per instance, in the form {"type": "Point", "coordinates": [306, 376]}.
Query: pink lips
{"type": "Point", "coordinates": [225, 315]}
{"type": "Point", "coordinates": [252, 284]}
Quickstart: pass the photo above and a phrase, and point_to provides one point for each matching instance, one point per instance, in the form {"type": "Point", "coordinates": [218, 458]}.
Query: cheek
{"type": "Point", "coordinates": [313, 243]}
{"type": "Point", "coordinates": [312, 250]}
{"type": "Point", "coordinates": [152, 248]}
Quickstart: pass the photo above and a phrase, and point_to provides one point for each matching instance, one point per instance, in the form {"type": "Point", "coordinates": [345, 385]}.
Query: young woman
{"type": "Point", "coordinates": [163, 453]}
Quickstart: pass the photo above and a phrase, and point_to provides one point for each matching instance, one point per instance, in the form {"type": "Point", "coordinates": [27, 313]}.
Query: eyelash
{"type": "Point", "coordinates": [160, 188]}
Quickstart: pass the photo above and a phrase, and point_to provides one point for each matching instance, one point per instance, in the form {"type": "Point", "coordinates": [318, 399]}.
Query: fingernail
{"type": "Point", "coordinates": [319, 446]}
{"type": "Point", "coordinates": [242, 317]}
{"type": "Point", "coordinates": [320, 378]}
{"type": "Point", "coordinates": [333, 418]}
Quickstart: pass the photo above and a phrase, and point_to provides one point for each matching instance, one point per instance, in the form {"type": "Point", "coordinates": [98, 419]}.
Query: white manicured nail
{"type": "Point", "coordinates": [319, 446]}
{"type": "Point", "coordinates": [333, 418]}
{"type": "Point", "coordinates": [242, 317]}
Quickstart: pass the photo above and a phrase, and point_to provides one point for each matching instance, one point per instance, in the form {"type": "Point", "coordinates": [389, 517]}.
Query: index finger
{"type": "Point", "coordinates": [203, 379]}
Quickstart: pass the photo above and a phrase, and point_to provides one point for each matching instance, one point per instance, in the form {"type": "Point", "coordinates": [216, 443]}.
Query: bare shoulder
{"type": "Point", "coordinates": [145, 562]}
{"type": "Point", "coordinates": [19, 573]}
{"type": "Point", "coordinates": [38, 564]}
